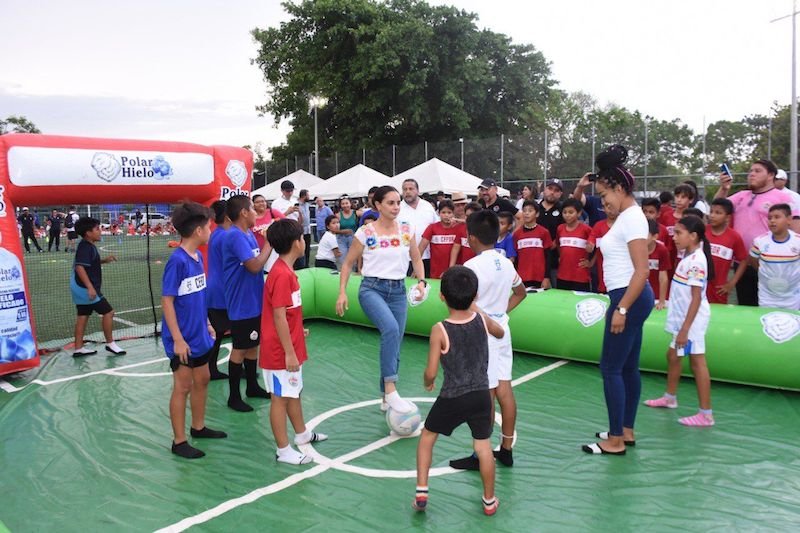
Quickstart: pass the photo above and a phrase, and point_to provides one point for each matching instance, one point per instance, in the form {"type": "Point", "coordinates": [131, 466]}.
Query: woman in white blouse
{"type": "Point", "coordinates": [385, 246]}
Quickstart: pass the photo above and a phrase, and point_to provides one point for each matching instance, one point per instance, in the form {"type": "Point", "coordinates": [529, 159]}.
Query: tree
{"type": "Point", "coordinates": [396, 72]}
{"type": "Point", "coordinates": [17, 124]}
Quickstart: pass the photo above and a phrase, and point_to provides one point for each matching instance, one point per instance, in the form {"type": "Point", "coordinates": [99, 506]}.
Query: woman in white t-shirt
{"type": "Point", "coordinates": [625, 273]}
{"type": "Point", "coordinates": [385, 246]}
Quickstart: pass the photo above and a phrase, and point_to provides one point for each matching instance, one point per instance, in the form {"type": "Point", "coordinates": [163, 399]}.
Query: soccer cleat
{"type": "Point", "coordinates": [668, 403]}
{"type": "Point", "coordinates": [698, 420]}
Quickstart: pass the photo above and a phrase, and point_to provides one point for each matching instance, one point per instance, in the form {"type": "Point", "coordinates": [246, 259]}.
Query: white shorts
{"type": "Point", "coordinates": [693, 347]}
{"type": "Point", "coordinates": [501, 357]}
{"type": "Point", "coordinates": [283, 383]}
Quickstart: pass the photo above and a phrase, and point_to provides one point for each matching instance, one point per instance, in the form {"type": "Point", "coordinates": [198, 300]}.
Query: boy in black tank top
{"type": "Point", "coordinates": [460, 343]}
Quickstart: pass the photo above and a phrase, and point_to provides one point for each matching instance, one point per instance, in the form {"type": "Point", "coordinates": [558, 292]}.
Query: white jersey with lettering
{"type": "Point", "coordinates": [778, 270]}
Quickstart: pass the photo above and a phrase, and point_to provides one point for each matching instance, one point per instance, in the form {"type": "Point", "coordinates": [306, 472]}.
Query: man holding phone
{"type": "Point", "coordinates": [751, 209]}
{"type": "Point", "coordinates": [286, 204]}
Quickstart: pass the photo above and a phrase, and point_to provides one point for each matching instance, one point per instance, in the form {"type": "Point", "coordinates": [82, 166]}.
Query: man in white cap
{"type": "Point", "coordinates": [780, 183]}
{"type": "Point", "coordinates": [27, 221]}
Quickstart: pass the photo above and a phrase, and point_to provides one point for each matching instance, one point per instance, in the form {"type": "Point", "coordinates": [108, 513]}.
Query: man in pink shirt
{"type": "Point", "coordinates": [751, 208]}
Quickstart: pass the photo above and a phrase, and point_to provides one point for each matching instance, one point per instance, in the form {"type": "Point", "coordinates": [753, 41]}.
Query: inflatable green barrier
{"type": "Point", "coordinates": [748, 345]}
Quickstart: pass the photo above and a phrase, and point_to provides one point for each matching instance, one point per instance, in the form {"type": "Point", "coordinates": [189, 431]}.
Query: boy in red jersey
{"type": "Point", "coordinates": [727, 246]}
{"type": "Point", "coordinates": [461, 252]}
{"type": "Point", "coordinates": [573, 239]}
{"type": "Point", "coordinates": [440, 236]}
{"type": "Point", "coordinates": [283, 343]}
{"type": "Point", "coordinates": [532, 242]}
{"type": "Point", "coordinates": [659, 263]}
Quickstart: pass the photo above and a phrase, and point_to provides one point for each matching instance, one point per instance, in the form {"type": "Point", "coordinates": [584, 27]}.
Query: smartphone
{"type": "Point", "coordinates": [725, 170]}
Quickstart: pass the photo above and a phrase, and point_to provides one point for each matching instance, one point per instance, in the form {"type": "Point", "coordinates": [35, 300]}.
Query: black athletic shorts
{"type": "Point", "coordinates": [101, 308]}
{"type": "Point", "coordinates": [573, 285]}
{"type": "Point", "coordinates": [474, 408]}
{"type": "Point", "coordinates": [194, 362]}
{"type": "Point", "coordinates": [246, 333]}
{"type": "Point", "coordinates": [72, 234]}
{"type": "Point", "coordinates": [219, 321]}
{"type": "Point", "coordinates": [532, 284]}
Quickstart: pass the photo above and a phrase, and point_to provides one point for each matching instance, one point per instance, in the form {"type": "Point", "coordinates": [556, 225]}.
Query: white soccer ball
{"type": "Point", "coordinates": [404, 423]}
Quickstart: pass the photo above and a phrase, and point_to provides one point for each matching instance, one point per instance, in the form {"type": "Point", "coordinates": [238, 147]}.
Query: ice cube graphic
{"type": "Point", "coordinates": [106, 166]}
{"type": "Point", "coordinates": [161, 168]}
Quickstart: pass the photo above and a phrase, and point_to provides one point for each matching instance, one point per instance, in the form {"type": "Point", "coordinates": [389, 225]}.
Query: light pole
{"type": "Point", "coordinates": [314, 103]}
{"type": "Point", "coordinates": [793, 147]}
{"type": "Point", "coordinates": [461, 140]}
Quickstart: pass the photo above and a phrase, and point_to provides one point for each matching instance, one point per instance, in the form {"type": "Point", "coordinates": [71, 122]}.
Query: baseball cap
{"type": "Point", "coordinates": [459, 198]}
{"type": "Point", "coordinates": [487, 183]}
{"type": "Point", "coordinates": [287, 186]}
{"type": "Point", "coordinates": [781, 175]}
{"type": "Point", "coordinates": [555, 182]}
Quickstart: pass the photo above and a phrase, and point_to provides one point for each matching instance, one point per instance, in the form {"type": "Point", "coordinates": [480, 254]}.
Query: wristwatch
{"type": "Point", "coordinates": [622, 310]}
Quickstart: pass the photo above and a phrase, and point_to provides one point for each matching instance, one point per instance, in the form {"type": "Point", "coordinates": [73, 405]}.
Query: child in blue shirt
{"type": "Point", "coordinates": [184, 329]}
{"type": "Point", "coordinates": [505, 241]}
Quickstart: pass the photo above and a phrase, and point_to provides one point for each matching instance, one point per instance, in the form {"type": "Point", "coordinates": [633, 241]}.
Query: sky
{"type": "Point", "coordinates": [180, 69]}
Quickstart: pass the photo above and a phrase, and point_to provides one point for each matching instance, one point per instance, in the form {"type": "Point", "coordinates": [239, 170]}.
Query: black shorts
{"type": "Point", "coordinates": [325, 263]}
{"type": "Point", "coordinates": [101, 308]}
{"type": "Point", "coordinates": [533, 284]}
{"type": "Point", "coordinates": [246, 333]}
{"type": "Point", "coordinates": [474, 408]}
{"type": "Point", "coordinates": [72, 234]}
{"type": "Point", "coordinates": [219, 321]}
{"type": "Point", "coordinates": [194, 362]}
{"type": "Point", "coordinates": [573, 285]}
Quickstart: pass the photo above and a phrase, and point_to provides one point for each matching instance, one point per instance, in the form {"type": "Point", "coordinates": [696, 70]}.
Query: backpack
{"type": "Point", "coordinates": [69, 223]}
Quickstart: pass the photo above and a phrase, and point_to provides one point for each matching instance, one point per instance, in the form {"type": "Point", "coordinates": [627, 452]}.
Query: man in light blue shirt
{"type": "Point", "coordinates": [323, 212]}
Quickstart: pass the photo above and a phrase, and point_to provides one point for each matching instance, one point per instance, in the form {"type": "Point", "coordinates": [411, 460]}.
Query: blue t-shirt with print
{"type": "Point", "coordinates": [215, 294]}
{"type": "Point", "coordinates": [243, 289]}
{"type": "Point", "coordinates": [506, 246]}
{"type": "Point", "coordinates": [185, 280]}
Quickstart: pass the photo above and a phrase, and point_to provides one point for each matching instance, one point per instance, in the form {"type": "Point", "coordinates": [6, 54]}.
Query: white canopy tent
{"type": "Point", "coordinates": [435, 175]}
{"type": "Point", "coordinates": [355, 181]}
{"type": "Point", "coordinates": [300, 178]}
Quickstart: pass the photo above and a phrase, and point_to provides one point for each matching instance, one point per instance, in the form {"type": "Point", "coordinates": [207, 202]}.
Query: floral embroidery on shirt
{"type": "Point", "coordinates": [374, 241]}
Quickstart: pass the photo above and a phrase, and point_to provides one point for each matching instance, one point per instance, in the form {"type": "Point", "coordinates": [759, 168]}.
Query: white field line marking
{"type": "Point", "coordinates": [134, 310]}
{"type": "Point", "coordinates": [126, 322]}
{"type": "Point", "coordinates": [8, 387]}
{"type": "Point", "coordinates": [229, 505]}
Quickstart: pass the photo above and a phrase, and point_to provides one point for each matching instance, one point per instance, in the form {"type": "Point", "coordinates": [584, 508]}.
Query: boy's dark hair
{"type": "Point", "coordinates": [531, 203]}
{"type": "Point", "coordinates": [219, 211]}
{"type": "Point", "coordinates": [725, 204]}
{"type": "Point", "coordinates": [370, 216]}
{"type": "Point", "coordinates": [573, 203]}
{"type": "Point", "coordinates": [446, 204]}
{"type": "Point", "coordinates": [685, 190]}
{"type": "Point", "coordinates": [654, 202]}
{"type": "Point", "coordinates": [473, 206]}
{"type": "Point", "coordinates": [459, 287]}
{"type": "Point", "coordinates": [188, 216]}
{"type": "Point", "coordinates": [787, 210]}
{"type": "Point", "coordinates": [282, 234]}
{"type": "Point", "coordinates": [505, 215]}
{"type": "Point", "coordinates": [666, 197]}
{"type": "Point", "coordinates": [328, 220]}
{"type": "Point", "coordinates": [85, 224]}
{"type": "Point", "coordinates": [235, 206]}
{"type": "Point", "coordinates": [694, 212]}
{"type": "Point", "coordinates": [484, 226]}
{"type": "Point", "coordinates": [652, 226]}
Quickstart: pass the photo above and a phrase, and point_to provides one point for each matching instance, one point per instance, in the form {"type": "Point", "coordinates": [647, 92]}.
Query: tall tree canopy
{"type": "Point", "coordinates": [17, 124]}
{"type": "Point", "coordinates": [395, 72]}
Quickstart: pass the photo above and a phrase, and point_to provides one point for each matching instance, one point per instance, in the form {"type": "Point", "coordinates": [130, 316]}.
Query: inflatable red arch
{"type": "Point", "coordinates": [58, 170]}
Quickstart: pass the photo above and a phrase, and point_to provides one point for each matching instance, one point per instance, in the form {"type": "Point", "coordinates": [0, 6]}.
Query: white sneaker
{"type": "Point", "coordinates": [315, 437]}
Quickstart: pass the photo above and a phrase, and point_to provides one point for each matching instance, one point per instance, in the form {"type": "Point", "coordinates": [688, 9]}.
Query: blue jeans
{"type": "Point", "coordinates": [384, 302]}
{"type": "Point", "coordinates": [344, 242]}
{"type": "Point", "coordinates": [619, 363]}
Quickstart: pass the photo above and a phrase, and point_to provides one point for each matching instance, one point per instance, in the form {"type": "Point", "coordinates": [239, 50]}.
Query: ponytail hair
{"type": "Point", "coordinates": [695, 224]}
{"type": "Point", "coordinates": [611, 168]}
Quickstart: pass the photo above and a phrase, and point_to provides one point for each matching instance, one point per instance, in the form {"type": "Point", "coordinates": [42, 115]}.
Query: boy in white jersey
{"type": "Point", "coordinates": [776, 255]}
{"type": "Point", "coordinates": [496, 281]}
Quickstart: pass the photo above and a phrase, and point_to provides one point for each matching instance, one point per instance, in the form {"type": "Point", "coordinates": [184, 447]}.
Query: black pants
{"type": "Point", "coordinates": [54, 236]}
{"type": "Point", "coordinates": [25, 236]}
{"type": "Point", "coordinates": [572, 285]}
{"type": "Point", "coordinates": [307, 238]}
{"type": "Point", "coordinates": [426, 264]}
{"type": "Point", "coordinates": [324, 263]}
{"type": "Point", "coordinates": [747, 288]}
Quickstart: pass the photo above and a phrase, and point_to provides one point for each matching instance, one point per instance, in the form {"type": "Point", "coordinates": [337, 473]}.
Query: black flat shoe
{"type": "Point", "coordinates": [595, 449]}
{"type": "Point", "coordinates": [604, 435]}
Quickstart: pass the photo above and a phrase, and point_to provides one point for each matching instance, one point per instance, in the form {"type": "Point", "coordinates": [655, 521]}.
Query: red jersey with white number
{"type": "Point", "coordinates": [466, 253]}
{"type": "Point", "coordinates": [531, 244]}
{"type": "Point", "coordinates": [600, 228]}
{"type": "Point", "coordinates": [281, 290]}
{"type": "Point", "coordinates": [726, 248]}
{"type": "Point", "coordinates": [572, 250]}
{"type": "Point", "coordinates": [441, 241]}
{"type": "Point", "coordinates": [658, 261]}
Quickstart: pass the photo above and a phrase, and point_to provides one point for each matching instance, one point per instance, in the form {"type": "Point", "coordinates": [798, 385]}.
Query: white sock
{"type": "Point", "coordinates": [291, 456]}
{"type": "Point", "coordinates": [397, 403]}
{"type": "Point", "coordinates": [84, 349]}
{"type": "Point", "coordinates": [303, 438]}
{"type": "Point", "coordinates": [114, 346]}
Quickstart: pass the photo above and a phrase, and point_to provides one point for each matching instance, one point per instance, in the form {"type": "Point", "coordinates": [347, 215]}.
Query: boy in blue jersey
{"type": "Point", "coordinates": [85, 284]}
{"type": "Point", "coordinates": [215, 295]}
{"type": "Point", "coordinates": [243, 267]}
{"type": "Point", "coordinates": [184, 328]}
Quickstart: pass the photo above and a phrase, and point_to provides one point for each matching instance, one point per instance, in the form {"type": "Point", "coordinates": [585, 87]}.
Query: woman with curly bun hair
{"type": "Point", "coordinates": [625, 272]}
{"type": "Point", "coordinates": [386, 246]}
